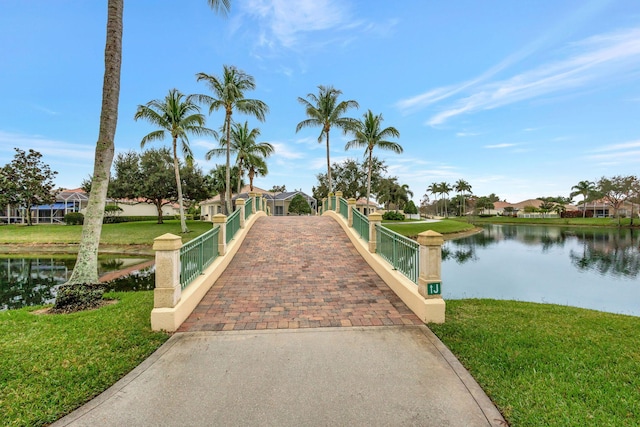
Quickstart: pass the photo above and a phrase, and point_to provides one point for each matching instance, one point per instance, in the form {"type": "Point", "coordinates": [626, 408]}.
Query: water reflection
{"type": "Point", "coordinates": [594, 268]}
{"type": "Point", "coordinates": [33, 281]}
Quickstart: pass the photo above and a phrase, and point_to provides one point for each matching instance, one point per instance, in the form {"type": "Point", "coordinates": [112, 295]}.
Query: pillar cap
{"type": "Point", "coordinates": [219, 218]}
{"type": "Point", "coordinates": [375, 216]}
{"type": "Point", "coordinates": [167, 242]}
{"type": "Point", "coordinates": [351, 201]}
{"type": "Point", "coordinates": [430, 238]}
{"type": "Point", "coordinates": [239, 201]}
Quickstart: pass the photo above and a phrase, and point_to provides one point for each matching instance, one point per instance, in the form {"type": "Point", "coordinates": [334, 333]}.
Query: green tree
{"type": "Point", "coordinates": [616, 190]}
{"type": "Point", "coordinates": [278, 189]}
{"type": "Point", "coordinates": [325, 111]}
{"type": "Point", "coordinates": [463, 188]}
{"type": "Point", "coordinates": [350, 178]}
{"type": "Point", "coordinates": [368, 134]}
{"type": "Point", "coordinates": [583, 188]}
{"type": "Point", "coordinates": [177, 115]}
{"type": "Point", "coordinates": [27, 181]}
{"type": "Point", "coordinates": [299, 205]}
{"type": "Point", "coordinates": [434, 189]}
{"type": "Point", "coordinates": [229, 95]}
{"type": "Point", "coordinates": [411, 208]}
{"type": "Point", "coordinates": [218, 180]}
{"type": "Point", "coordinates": [546, 207]}
{"type": "Point", "coordinates": [483, 203]}
{"type": "Point", "coordinates": [250, 155]}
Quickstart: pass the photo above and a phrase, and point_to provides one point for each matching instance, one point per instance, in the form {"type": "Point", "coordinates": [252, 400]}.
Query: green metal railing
{"type": "Point", "coordinates": [399, 251]}
{"type": "Point", "coordinates": [344, 208]}
{"type": "Point", "coordinates": [233, 225]}
{"type": "Point", "coordinates": [248, 208]}
{"type": "Point", "coordinates": [324, 206]}
{"type": "Point", "coordinates": [361, 224]}
{"type": "Point", "coordinates": [197, 255]}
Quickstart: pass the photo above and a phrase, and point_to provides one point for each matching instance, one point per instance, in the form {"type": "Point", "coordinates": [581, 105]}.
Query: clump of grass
{"type": "Point", "coordinates": [547, 364]}
{"type": "Point", "coordinates": [51, 364]}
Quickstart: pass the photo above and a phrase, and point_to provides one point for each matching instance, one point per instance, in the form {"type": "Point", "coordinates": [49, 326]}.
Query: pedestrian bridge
{"type": "Point", "coordinates": [254, 271]}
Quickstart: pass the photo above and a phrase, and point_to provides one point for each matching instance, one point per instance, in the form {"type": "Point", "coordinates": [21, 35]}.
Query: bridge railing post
{"type": "Point", "coordinates": [430, 264]}
{"type": "Point", "coordinates": [337, 201]}
{"type": "Point", "coordinates": [351, 203]}
{"type": "Point", "coordinates": [240, 205]}
{"type": "Point", "coordinates": [221, 221]}
{"type": "Point", "coordinates": [375, 218]}
{"type": "Point", "coordinates": [167, 291]}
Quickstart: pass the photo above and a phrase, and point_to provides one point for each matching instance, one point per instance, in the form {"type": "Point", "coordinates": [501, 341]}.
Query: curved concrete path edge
{"type": "Point", "coordinates": [432, 388]}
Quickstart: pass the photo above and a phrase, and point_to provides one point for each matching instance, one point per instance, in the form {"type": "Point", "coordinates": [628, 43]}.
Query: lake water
{"type": "Point", "coordinates": [31, 281]}
{"type": "Point", "coordinates": [589, 268]}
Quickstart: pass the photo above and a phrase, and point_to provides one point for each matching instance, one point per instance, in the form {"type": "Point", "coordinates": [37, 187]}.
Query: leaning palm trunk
{"type": "Point", "coordinates": [86, 268]}
{"type": "Point", "coordinates": [176, 168]}
{"type": "Point", "coordinates": [227, 182]}
{"type": "Point", "coordinates": [369, 183]}
{"type": "Point", "coordinates": [329, 167]}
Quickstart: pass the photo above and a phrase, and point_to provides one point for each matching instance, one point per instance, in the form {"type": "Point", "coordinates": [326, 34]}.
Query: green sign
{"type": "Point", "coordinates": [434, 288]}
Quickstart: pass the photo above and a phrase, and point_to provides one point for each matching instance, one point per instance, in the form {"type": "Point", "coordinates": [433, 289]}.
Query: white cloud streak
{"type": "Point", "coordinates": [505, 145]}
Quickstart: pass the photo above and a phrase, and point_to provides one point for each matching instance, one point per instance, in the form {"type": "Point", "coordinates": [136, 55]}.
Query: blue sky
{"type": "Point", "coordinates": [521, 99]}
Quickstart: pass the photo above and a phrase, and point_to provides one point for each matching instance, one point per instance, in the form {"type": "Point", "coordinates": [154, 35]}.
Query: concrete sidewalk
{"type": "Point", "coordinates": [358, 376]}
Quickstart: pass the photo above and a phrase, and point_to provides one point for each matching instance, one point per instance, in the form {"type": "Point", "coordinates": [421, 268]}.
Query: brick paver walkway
{"type": "Point", "coordinates": [297, 272]}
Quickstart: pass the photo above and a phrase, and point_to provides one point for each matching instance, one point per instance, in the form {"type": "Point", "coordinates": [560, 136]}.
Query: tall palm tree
{"type": "Point", "coordinates": [176, 115]}
{"type": "Point", "coordinates": [584, 188]}
{"type": "Point", "coordinates": [248, 151]}
{"type": "Point", "coordinates": [325, 111]}
{"type": "Point", "coordinates": [369, 135]}
{"type": "Point", "coordinates": [229, 94]}
{"type": "Point", "coordinates": [257, 168]}
{"type": "Point", "coordinates": [445, 188]}
{"type": "Point", "coordinates": [462, 187]}
{"type": "Point", "coordinates": [86, 267]}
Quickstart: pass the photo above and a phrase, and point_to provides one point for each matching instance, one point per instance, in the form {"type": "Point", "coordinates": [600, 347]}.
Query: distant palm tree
{"type": "Point", "coordinates": [325, 111]}
{"type": "Point", "coordinates": [434, 189]}
{"type": "Point", "coordinates": [176, 115]}
{"type": "Point", "coordinates": [445, 188]}
{"type": "Point", "coordinates": [462, 187]}
{"type": "Point", "coordinates": [248, 151]}
{"type": "Point", "coordinates": [257, 168]}
{"type": "Point", "coordinates": [218, 179]}
{"type": "Point", "coordinates": [369, 135]}
{"type": "Point", "coordinates": [584, 188]}
{"type": "Point", "coordinates": [228, 92]}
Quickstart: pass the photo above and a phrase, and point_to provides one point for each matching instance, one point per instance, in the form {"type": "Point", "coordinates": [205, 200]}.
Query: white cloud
{"type": "Point", "coordinates": [466, 134]}
{"type": "Point", "coordinates": [622, 146]}
{"type": "Point", "coordinates": [47, 147]}
{"type": "Point", "coordinates": [599, 59]}
{"type": "Point", "coordinates": [505, 145]}
{"type": "Point", "coordinates": [282, 150]}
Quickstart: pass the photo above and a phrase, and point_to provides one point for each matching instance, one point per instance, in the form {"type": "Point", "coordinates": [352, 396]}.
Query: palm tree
{"type": "Point", "coordinates": [218, 179]}
{"type": "Point", "coordinates": [228, 91]}
{"type": "Point", "coordinates": [462, 187]}
{"type": "Point", "coordinates": [368, 135]}
{"type": "Point", "coordinates": [584, 188]}
{"type": "Point", "coordinates": [176, 115]}
{"type": "Point", "coordinates": [434, 189]}
{"type": "Point", "coordinates": [248, 151]}
{"type": "Point", "coordinates": [325, 111]}
{"type": "Point", "coordinates": [445, 188]}
{"type": "Point", "coordinates": [86, 267]}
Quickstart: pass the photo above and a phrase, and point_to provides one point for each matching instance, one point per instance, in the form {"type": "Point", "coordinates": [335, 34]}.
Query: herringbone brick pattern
{"type": "Point", "coordinates": [297, 272]}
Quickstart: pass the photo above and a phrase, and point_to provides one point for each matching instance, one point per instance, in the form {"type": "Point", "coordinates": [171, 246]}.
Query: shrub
{"type": "Point", "coordinates": [71, 298]}
{"type": "Point", "coordinates": [299, 205]}
{"type": "Point", "coordinates": [74, 218]}
{"type": "Point", "coordinates": [576, 214]}
{"type": "Point", "coordinates": [393, 216]}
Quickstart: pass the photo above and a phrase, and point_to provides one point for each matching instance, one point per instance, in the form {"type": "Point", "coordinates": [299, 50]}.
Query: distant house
{"type": "Point", "coordinates": [365, 206]}
{"type": "Point", "coordinates": [277, 203]}
{"type": "Point", "coordinates": [603, 209]}
{"type": "Point", "coordinates": [505, 208]}
{"type": "Point", "coordinates": [141, 207]}
{"type": "Point", "coordinates": [66, 201]}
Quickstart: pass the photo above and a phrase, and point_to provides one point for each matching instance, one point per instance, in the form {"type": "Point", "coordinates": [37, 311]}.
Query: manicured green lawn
{"type": "Point", "coordinates": [412, 229]}
{"type": "Point", "coordinates": [546, 364]}
{"type": "Point", "coordinates": [593, 222]}
{"type": "Point", "coordinates": [51, 364]}
{"type": "Point", "coordinates": [127, 233]}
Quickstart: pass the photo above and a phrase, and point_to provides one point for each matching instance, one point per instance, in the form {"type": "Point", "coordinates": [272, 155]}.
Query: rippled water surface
{"type": "Point", "coordinates": [589, 268]}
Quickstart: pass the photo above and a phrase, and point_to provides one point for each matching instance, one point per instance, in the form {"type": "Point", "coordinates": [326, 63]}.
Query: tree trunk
{"type": "Point", "coordinates": [251, 174]}
{"type": "Point", "coordinates": [86, 268]}
{"type": "Point", "coordinates": [176, 168]}
{"type": "Point", "coordinates": [158, 204]}
{"type": "Point", "coordinates": [369, 183]}
{"type": "Point", "coordinates": [227, 182]}
{"type": "Point", "coordinates": [329, 166]}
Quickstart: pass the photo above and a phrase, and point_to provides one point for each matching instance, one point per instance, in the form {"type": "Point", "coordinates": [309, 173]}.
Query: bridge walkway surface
{"type": "Point", "coordinates": [298, 331]}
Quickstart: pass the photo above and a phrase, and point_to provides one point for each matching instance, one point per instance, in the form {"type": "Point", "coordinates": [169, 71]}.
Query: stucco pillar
{"type": "Point", "coordinates": [324, 205]}
{"type": "Point", "coordinates": [430, 280]}
{"type": "Point", "coordinates": [259, 200]}
{"type": "Point", "coordinates": [338, 197]}
{"type": "Point", "coordinates": [351, 203]}
{"type": "Point", "coordinates": [240, 205]}
{"type": "Point", "coordinates": [330, 199]}
{"type": "Point", "coordinates": [374, 218]}
{"type": "Point", "coordinates": [221, 221]}
{"type": "Point", "coordinates": [167, 291]}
